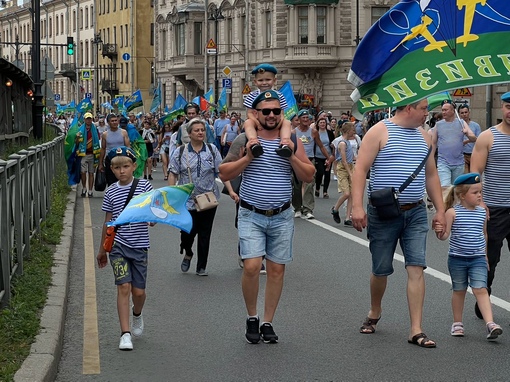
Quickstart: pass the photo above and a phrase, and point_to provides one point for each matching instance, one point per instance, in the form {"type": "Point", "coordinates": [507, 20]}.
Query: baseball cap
{"type": "Point", "coordinates": [88, 115]}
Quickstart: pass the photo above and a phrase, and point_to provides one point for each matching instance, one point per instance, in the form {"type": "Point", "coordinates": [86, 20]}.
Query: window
{"type": "Point", "coordinates": [269, 29]}
{"type": "Point", "coordinates": [377, 12]}
{"type": "Point", "coordinates": [179, 39]}
{"type": "Point", "coordinates": [121, 4]}
{"type": "Point", "coordinates": [127, 73]}
{"type": "Point", "coordinates": [56, 26]}
{"type": "Point", "coordinates": [50, 24]}
{"type": "Point", "coordinates": [81, 55]}
{"type": "Point", "coordinates": [121, 69]}
{"type": "Point", "coordinates": [114, 34]}
{"type": "Point", "coordinates": [74, 20]}
{"type": "Point", "coordinates": [62, 30]}
{"type": "Point", "coordinates": [242, 28]}
{"type": "Point", "coordinates": [228, 34]}
{"type": "Point", "coordinates": [81, 18]}
{"type": "Point", "coordinates": [163, 44]}
{"type": "Point", "coordinates": [114, 5]}
{"type": "Point", "coordinates": [121, 35]}
{"type": "Point", "coordinates": [303, 25]}
{"type": "Point", "coordinates": [91, 16]}
{"type": "Point", "coordinates": [57, 57]}
{"type": "Point", "coordinates": [126, 31]}
{"type": "Point", "coordinates": [321, 25]}
{"type": "Point", "coordinates": [86, 52]}
{"type": "Point", "coordinates": [152, 34]}
{"type": "Point", "coordinates": [197, 35]}
{"type": "Point", "coordinates": [86, 17]}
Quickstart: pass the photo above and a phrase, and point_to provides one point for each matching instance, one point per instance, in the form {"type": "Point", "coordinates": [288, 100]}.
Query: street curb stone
{"type": "Point", "coordinates": [41, 365]}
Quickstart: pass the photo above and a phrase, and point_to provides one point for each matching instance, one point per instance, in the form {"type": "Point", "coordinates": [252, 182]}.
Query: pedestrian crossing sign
{"type": "Point", "coordinates": [86, 74]}
{"type": "Point", "coordinates": [247, 89]}
{"type": "Point", "coordinates": [463, 92]}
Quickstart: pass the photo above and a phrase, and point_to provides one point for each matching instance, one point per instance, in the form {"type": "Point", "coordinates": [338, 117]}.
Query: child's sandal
{"type": "Point", "coordinates": [457, 329]}
{"type": "Point", "coordinates": [493, 330]}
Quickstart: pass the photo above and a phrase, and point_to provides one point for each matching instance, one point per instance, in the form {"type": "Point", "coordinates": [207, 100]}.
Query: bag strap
{"type": "Point", "coordinates": [128, 199]}
{"type": "Point", "coordinates": [415, 173]}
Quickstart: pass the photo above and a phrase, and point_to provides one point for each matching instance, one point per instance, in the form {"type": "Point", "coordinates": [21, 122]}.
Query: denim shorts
{"type": "Point", "coordinates": [129, 265]}
{"type": "Point", "coordinates": [409, 229]}
{"type": "Point", "coordinates": [269, 236]}
{"type": "Point", "coordinates": [447, 173]}
{"type": "Point", "coordinates": [468, 270]}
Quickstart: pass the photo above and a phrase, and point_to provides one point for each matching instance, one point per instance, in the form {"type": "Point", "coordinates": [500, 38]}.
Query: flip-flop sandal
{"type": "Point", "coordinates": [368, 326]}
{"type": "Point", "coordinates": [423, 343]}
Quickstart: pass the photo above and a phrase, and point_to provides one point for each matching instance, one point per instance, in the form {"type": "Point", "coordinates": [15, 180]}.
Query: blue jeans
{"type": "Point", "coordinates": [409, 229]}
{"type": "Point", "coordinates": [467, 270]}
{"type": "Point", "coordinates": [448, 173]}
{"type": "Point", "coordinates": [269, 236]}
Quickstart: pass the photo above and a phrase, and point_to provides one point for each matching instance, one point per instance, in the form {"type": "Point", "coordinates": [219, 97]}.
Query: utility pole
{"type": "Point", "coordinates": [36, 71]}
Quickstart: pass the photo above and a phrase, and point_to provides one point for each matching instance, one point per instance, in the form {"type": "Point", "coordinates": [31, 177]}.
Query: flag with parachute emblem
{"type": "Point", "coordinates": [165, 205]}
{"type": "Point", "coordinates": [419, 48]}
{"type": "Point", "coordinates": [133, 101]}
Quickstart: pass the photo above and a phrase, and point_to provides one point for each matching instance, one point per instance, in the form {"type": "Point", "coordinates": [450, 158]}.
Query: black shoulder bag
{"type": "Point", "coordinates": [386, 200]}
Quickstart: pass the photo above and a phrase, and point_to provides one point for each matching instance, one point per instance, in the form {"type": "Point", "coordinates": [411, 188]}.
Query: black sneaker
{"type": "Point", "coordinates": [336, 215]}
{"type": "Point", "coordinates": [252, 330]}
{"type": "Point", "coordinates": [284, 151]}
{"type": "Point", "coordinates": [267, 333]}
{"type": "Point", "coordinates": [257, 150]}
{"type": "Point", "coordinates": [348, 223]}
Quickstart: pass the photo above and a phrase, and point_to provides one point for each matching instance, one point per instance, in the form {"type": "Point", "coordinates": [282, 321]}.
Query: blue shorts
{"type": "Point", "coordinates": [129, 265]}
{"type": "Point", "coordinates": [269, 236]}
{"type": "Point", "coordinates": [448, 173]}
{"type": "Point", "coordinates": [409, 229]}
{"type": "Point", "coordinates": [468, 270]}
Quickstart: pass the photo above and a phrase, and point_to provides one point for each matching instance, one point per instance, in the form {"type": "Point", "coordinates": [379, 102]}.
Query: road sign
{"type": "Point", "coordinates": [86, 74]}
{"type": "Point", "coordinates": [463, 92]}
{"type": "Point", "coordinates": [228, 90]}
{"type": "Point", "coordinates": [88, 95]}
{"type": "Point", "coordinates": [126, 57]}
{"type": "Point", "coordinates": [246, 89]}
{"type": "Point", "coordinates": [211, 47]}
{"type": "Point", "coordinates": [57, 97]}
{"type": "Point", "coordinates": [226, 71]}
{"type": "Point", "coordinates": [227, 83]}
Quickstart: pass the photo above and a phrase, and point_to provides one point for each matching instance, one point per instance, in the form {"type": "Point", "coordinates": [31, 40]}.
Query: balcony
{"type": "Point", "coordinates": [110, 86]}
{"type": "Point", "coordinates": [320, 55]}
{"type": "Point", "coordinates": [110, 51]}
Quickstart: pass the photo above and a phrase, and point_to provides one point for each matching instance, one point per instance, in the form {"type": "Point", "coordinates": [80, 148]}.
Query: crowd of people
{"type": "Point", "coordinates": [275, 168]}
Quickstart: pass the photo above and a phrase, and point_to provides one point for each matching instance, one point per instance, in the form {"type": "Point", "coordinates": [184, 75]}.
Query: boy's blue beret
{"type": "Point", "coordinates": [262, 68]}
{"type": "Point", "coordinates": [291, 117]}
{"type": "Point", "coordinates": [505, 97]}
{"type": "Point", "coordinates": [265, 96]}
{"type": "Point", "coordinates": [470, 178]}
{"type": "Point", "coordinates": [122, 151]}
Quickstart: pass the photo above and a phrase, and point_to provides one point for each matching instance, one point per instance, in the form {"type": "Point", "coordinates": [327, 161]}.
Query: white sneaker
{"type": "Point", "coordinates": [308, 216]}
{"type": "Point", "coordinates": [297, 214]}
{"type": "Point", "coordinates": [137, 326]}
{"type": "Point", "coordinates": [125, 342]}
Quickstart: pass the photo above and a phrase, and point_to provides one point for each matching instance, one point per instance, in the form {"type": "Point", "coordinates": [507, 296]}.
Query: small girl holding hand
{"type": "Point", "coordinates": [467, 260]}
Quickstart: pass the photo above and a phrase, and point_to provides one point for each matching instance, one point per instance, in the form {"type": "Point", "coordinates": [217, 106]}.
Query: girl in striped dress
{"type": "Point", "coordinates": [467, 260]}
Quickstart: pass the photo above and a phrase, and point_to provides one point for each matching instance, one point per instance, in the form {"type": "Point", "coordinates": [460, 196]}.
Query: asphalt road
{"type": "Point", "coordinates": [194, 326]}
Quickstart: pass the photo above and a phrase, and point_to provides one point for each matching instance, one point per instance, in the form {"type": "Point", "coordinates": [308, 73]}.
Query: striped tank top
{"type": "Point", "coordinates": [266, 181]}
{"type": "Point", "coordinates": [466, 237]}
{"type": "Point", "coordinates": [397, 160]}
{"type": "Point", "coordinates": [496, 184]}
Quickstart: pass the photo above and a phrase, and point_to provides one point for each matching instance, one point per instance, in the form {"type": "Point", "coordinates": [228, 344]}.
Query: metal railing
{"type": "Point", "coordinates": [25, 186]}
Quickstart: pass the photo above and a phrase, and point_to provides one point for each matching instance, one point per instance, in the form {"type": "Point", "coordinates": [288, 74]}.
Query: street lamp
{"type": "Point", "coordinates": [97, 41]}
{"type": "Point", "coordinates": [215, 16]}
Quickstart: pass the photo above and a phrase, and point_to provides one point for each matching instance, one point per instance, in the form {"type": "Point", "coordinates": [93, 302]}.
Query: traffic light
{"type": "Point", "coordinates": [70, 46]}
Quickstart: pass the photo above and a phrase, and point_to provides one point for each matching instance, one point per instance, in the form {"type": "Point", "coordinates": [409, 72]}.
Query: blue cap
{"type": "Point", "coordinates": [505, 97]}
{"type": "Point", "coordinates": [265, 96]}
{"type": "Point", "coordinates": [302, 112]}
{"type": "Point", "coordinates": [262, 68]}
{"type": "Point", "coordinates": [470, 178]}
{"type": "Point", "coordinates": [122, 151]}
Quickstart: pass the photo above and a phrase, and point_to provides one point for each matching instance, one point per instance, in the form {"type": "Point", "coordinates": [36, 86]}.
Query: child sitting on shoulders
{"type": "Point", "coordinates": [467, 259]}
{"type": "Point", "coordinates": [265, 79]}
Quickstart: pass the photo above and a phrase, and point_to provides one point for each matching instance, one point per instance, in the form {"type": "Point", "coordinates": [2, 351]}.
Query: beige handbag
{"type": "Point", "coordinates": [204, 201]}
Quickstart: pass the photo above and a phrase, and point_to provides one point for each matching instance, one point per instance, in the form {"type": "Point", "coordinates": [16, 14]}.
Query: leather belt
{"type": "Point", "coordinates": [268, 213]}
{"type": "Point", "coordinates": [408, 206]}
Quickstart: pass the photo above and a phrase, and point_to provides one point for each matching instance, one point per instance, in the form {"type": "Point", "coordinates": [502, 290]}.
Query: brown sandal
{"type": "Point", "coordinates": [369, 324]}
{"type": "Point", "coordinates": [425, 341]}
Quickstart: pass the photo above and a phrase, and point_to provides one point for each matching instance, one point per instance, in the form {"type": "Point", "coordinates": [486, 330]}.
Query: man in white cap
{"type": "Point", "coordinates": [490, 157]}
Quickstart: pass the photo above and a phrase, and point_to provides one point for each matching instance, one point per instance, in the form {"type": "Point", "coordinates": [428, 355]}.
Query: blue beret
{"type": "Point", "coordinates": [302, 112]}
{"type": "Point", "coordinates": [264, 68]}
{"type": "Point", "coordinates": [506, 97]}
{"type": "Point", "coordinates": [265, 96]}
{"type": "Point", "coordinates": [291, 117]}
{"type": "Point", "coordinates": [122, 151]}
{"type": "Point", "coordinates": [470, 178]}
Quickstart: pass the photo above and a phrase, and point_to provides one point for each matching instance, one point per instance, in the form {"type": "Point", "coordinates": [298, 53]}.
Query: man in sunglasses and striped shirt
{"type": "Point", "coordinates": [266, 224]}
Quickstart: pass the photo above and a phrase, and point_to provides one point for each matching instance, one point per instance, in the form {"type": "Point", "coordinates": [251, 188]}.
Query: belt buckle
{"type": "Point", "coordinates": [269, 213]}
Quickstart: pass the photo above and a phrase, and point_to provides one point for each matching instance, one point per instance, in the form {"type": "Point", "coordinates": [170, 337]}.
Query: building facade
{"type": "Point", "coordinates": [311, 42]}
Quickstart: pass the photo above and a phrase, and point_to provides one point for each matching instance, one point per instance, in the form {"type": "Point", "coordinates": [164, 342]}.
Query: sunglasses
{"type": "Point", "coordinates": [268, 111]}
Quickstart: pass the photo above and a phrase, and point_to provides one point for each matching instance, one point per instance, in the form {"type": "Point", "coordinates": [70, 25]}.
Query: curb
{"type": "Point", "coordinates": [41, 365]}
